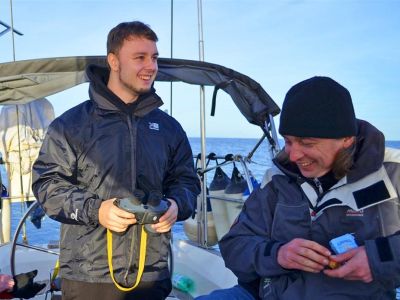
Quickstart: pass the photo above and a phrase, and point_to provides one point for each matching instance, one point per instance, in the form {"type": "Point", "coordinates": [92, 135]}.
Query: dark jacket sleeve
{"type": "Point", "coordinates": [384, 252]}
{"type": "Point", "coordinates": [247, 248]}
{"type": "Point", "coordinates": [181, 182]}
{"type": "Point", "coordinates": [54, 181]}
{"type": "Point", "coordinates": [383, 256]}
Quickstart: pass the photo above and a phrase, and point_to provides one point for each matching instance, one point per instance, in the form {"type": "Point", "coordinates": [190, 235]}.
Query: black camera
{"type": "Point", "coordinates": [147, 203]}
{"type": "Point", "coordinates": [145, 213]}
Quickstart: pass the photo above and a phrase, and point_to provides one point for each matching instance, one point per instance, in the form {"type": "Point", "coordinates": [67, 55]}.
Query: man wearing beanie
{"type": "Point", "coordinates": [325, 223]}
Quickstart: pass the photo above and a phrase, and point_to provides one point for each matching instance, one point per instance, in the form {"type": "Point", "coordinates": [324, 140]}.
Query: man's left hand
{"type": "Point", "coordinates": [168, 219]}
{"type": "Point", "coordinates": [355, 266]}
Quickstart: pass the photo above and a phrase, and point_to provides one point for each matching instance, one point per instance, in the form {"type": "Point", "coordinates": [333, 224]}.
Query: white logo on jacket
{"type": "Point", "coordinates": [154, 126]}
{"type": "Point", "coordinates": [74, 216]}
{"type": "Point", "coordinates": [354, 213]}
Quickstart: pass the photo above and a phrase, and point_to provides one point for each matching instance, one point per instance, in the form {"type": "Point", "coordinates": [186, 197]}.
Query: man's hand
{"type": "Point", "coordinates": [355, 266]}
{"type": "Point", "coordinates": [303, 255]}
{"type": "Point", "coordinates": [114, 218]}
{"type": "Point", "coordinates": [168, 219]}
{"type": "Point", "coordinates": [6, 282]}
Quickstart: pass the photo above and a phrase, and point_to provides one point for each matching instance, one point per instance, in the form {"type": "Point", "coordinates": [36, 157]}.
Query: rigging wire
{"type": "Point", "coordinates": [12, 29]}
{"type": "Point", "coordinates": [172, 38]}
{"type": "Point", "coordinates": [24, 236]}
{"type": "Point", "coordinates": [171, 256]}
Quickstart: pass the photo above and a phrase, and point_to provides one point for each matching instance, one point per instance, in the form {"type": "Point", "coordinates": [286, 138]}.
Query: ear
{"type": "Point", "coordinates": [348, 141]}
{"type": "Point", "coordinates": [113, 62]}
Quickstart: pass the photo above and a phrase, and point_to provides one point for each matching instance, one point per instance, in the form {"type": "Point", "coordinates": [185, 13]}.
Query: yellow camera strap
{"type": "Point", "coordinates": [55, 272]}
{"type": "Point", "coordinates": [142, 257]}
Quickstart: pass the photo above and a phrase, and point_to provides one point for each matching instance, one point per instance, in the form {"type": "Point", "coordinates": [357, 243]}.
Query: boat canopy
{"type": "Point", "coordinates": [28, 80]}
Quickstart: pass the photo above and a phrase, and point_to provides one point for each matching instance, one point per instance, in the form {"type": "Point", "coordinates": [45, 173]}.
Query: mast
{"type": "Point", "coordinates": [202, 200]}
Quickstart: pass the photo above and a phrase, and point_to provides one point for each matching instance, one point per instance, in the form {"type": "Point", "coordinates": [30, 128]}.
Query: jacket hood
{"type": "Point", "coordinates": [106, 99]}
{"type": "Point", "coordinates": [368, 157]}
{"type": "Point", "coordinates": [370, 151]}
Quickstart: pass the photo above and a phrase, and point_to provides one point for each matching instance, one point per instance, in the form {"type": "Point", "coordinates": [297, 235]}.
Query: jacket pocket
{"type": "Point", "coordinates": [291, 222]}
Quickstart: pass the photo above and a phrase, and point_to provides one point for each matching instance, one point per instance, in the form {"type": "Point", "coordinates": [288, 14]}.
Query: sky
{"type": "Point", "coordinates": [277, 43]}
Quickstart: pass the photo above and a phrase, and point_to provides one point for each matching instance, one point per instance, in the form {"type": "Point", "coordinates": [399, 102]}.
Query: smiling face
{"type": "Point", "coordinates": [133, 68]}
{"type": "Point", "coordinates": [314, 156]}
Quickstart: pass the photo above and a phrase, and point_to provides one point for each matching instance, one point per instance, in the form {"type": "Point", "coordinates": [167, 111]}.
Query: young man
{"type": "Point", "coordinates": [334, 179]}
{"type": "Point", "coordinates": [109, 147]}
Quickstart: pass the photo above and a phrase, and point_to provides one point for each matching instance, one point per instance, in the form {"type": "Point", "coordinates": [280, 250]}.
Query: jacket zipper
{"type": "Point", "coordinates": [132, 126]}
{"type": "Point", "coordinates": [318, 185]}
{"type": "Point", "coordinates": [320, 193]}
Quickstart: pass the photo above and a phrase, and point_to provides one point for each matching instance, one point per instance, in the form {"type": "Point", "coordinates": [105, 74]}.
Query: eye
{"type": "Point", "coordinates": [139, 57]}
{"type": "Point", "coordinates": [307, 143]}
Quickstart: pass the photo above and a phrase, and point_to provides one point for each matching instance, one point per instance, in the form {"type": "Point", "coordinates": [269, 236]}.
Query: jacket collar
{"type": "Point", "coordinates": [107, 100]}
{"type": "Point", "coordinates": [370, 151]}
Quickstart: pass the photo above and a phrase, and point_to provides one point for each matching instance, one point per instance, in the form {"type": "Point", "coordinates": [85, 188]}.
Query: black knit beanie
{"type": "Point", "coordinates": [318, 107]}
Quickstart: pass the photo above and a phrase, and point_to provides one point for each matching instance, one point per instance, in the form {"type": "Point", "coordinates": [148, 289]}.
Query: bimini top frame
{"type": "Point", "coordinates": [28, 80]}
{"type": "Point", "coordinates": [24, 81]}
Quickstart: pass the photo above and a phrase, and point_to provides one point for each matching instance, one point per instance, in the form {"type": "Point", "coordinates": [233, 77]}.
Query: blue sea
{"type": "Point", "coordinates": [220, 146]}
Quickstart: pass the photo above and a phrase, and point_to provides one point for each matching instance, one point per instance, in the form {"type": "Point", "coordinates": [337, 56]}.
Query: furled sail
{"type": "Point", "coordinates": [22, 130]}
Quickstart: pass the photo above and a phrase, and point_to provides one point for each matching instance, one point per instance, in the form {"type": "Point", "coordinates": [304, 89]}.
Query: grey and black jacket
{"type": "Point", "coordinates": [94, 152]}
{"type": "Point", "coordinates": [364, 203]}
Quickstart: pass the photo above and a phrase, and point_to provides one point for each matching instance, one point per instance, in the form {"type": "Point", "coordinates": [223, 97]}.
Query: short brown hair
{"type": "Point", "coordinates": [124, 30]}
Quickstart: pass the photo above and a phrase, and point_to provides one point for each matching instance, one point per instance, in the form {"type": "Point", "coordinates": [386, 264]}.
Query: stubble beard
{"type": "Point", "coordinates": [135, 91]}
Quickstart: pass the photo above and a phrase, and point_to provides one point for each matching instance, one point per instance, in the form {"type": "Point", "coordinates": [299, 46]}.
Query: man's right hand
{"type": "Point", "coordinates": [303, 255]}
{"type": "Point", "coordinates": [114, 218]}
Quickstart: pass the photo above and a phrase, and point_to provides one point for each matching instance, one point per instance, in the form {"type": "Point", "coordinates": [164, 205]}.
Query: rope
{"type": "Point", "coordinates": [142, 257]}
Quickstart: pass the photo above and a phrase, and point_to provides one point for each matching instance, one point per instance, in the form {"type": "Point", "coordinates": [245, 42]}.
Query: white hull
{"type": "Point", "coordinates": [28, 259]}
{"type": "Point", "coordinates": [205, 267]}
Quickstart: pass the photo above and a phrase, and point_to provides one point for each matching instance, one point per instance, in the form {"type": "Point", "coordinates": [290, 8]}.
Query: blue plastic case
{"type": "Point", "coordinates": [343, 243]}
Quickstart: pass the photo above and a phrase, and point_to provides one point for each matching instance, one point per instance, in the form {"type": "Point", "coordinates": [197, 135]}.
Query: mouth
{"type": "Point", "coordinates": [304, 164]}
{"type": "Point", "coordinates": [145, 77]}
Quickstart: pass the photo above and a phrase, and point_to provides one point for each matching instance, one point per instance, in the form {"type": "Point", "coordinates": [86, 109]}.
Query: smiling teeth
{"type": "Point", "coordinates": [145, 77]}
{"type": "Point", "coordinates": [304, 164]}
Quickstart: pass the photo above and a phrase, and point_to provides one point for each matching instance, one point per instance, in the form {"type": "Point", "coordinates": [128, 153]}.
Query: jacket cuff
{"type": "Point", "coordinates": [182, 210]}
{"type": "Point", "coordinates": [273, 268]}
{"type": "Point", "coordinates": [186, 202]}
{"type": "Point", "coordinates": [93, 211]}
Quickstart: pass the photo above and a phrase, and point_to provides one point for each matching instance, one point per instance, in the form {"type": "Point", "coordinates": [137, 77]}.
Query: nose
{"type": "Point", "coordinates": [151, 64]}
{"type": "Point", "coordinates": [295, 153]}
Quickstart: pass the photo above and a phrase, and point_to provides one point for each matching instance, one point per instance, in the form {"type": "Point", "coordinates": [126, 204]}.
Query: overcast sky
{"type": "Point", "coordinates": [277, 43]}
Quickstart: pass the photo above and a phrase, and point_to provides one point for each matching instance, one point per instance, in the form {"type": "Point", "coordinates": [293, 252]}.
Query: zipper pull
{"type": "Point", "coordinates": [318, 185]}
